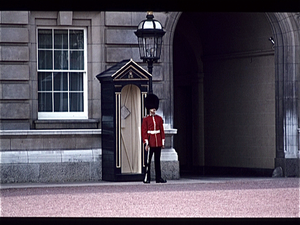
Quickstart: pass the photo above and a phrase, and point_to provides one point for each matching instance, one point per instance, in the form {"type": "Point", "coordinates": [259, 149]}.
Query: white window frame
{"type": "Point", "coordinates": [66, 115]}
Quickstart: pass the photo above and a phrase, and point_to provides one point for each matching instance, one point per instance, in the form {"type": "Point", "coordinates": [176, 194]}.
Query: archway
{"type": "Point", "coordinates": [224, 93]}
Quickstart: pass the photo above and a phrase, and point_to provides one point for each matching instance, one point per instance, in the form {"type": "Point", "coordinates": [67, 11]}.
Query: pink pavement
{"type": "Point", "coordinates": [272, 197]}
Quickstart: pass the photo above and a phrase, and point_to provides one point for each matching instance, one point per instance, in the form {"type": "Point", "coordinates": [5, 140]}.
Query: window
{"type": "Point", "coordinates": [62, 77]}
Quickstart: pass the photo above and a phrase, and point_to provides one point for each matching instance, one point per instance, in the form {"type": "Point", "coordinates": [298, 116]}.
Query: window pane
{"type": "Point", "coordinates": [77, 61]}
{"type": "Point", "coordinates": [61, 60]}
{"type": "Point", "coordinates": [45, 59]}
{"type": "Point", "coordinates": [45, 82]}
{"type": "Point", "coordinates": [60, 81]}
{"type": "Point", "coordinates": [60, 39]}
{"type": "Point", "coordinates": [76, 82]}
{"type": "Point", "coordinates": [61, 52]}
{"type": "Point", "coordinates": [76, 102]}
{"type": "Point", "coordinates": [45, 102]}
{"type": "Point", "coordinates": [60, 102]}
{"type": "Point", "coordinates": [76, 39]}
{"type": "Point", "coordinates": [45, 39]}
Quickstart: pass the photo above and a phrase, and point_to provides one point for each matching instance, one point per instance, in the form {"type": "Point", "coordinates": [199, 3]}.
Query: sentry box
{"type": "Point", "coordinates": [124, 87]}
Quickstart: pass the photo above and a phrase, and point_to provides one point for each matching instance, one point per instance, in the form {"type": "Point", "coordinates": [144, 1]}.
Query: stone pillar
{"type": "Point", "coordinates": [285, 29]}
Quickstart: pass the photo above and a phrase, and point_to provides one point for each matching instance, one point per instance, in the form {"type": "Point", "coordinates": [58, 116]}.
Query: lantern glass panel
{"type": "Point", "coordinates": [150, 48]}
{"type": "Point", "coordinates": [141, 47]}
{"type": "Point", "coordinates": [148, 25]}
{"type": "Point", "coordinates": [140, 26]}
{"type": "Point", "coordinates": [157, 25]}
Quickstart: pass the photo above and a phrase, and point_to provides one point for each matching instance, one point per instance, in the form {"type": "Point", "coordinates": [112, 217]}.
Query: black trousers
{"type": "Point", "coordinates": [157, 152]}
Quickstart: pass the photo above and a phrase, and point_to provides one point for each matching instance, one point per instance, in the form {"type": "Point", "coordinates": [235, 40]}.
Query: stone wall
{"type": "Point", "coordinates": [14, 60]}
{"type": "Point", "coordinates": [121, 43]}
{"type": "Point", "coordinates": [50, 156]}
{"type": "Point", "coordinates": [64, 156]}
{"type": "Point", "coordinates": [35, 150]}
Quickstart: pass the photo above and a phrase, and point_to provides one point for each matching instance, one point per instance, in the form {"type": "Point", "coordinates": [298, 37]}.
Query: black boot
{"type": "Point", "coordinates": [161, 181]}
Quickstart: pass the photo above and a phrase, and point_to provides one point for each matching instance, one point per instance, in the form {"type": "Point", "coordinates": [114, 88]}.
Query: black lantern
{"type": "Point", "coordinates": [150, 33]}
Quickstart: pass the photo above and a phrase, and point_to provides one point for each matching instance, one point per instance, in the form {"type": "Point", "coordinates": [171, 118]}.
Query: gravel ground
{"type": "Point", "coordinates": [278, 197]}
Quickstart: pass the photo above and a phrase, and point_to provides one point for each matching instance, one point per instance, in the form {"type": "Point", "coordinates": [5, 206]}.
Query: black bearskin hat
{"type": "Point", "coordinates": [151, 101]}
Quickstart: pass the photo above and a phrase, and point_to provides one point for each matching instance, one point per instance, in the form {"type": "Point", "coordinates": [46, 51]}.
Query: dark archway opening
{"type": "Point", "coordinates": [224, 94]}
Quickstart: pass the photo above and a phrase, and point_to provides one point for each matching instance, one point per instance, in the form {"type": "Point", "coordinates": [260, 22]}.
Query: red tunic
{"type": "Point", "coordinates": [153, 132]}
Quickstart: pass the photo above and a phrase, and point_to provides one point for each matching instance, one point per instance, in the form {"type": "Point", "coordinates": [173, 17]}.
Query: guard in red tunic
{"type": "Point", "coordinates": [153, 136]}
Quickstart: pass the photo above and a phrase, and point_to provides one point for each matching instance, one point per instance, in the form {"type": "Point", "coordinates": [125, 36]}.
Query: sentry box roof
{"type": "Point", "coordinates": [126, 70]}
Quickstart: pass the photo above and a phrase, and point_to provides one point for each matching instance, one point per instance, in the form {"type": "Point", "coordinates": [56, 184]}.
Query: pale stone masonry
{"type": "Point", "coordinates": [15, 81]}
